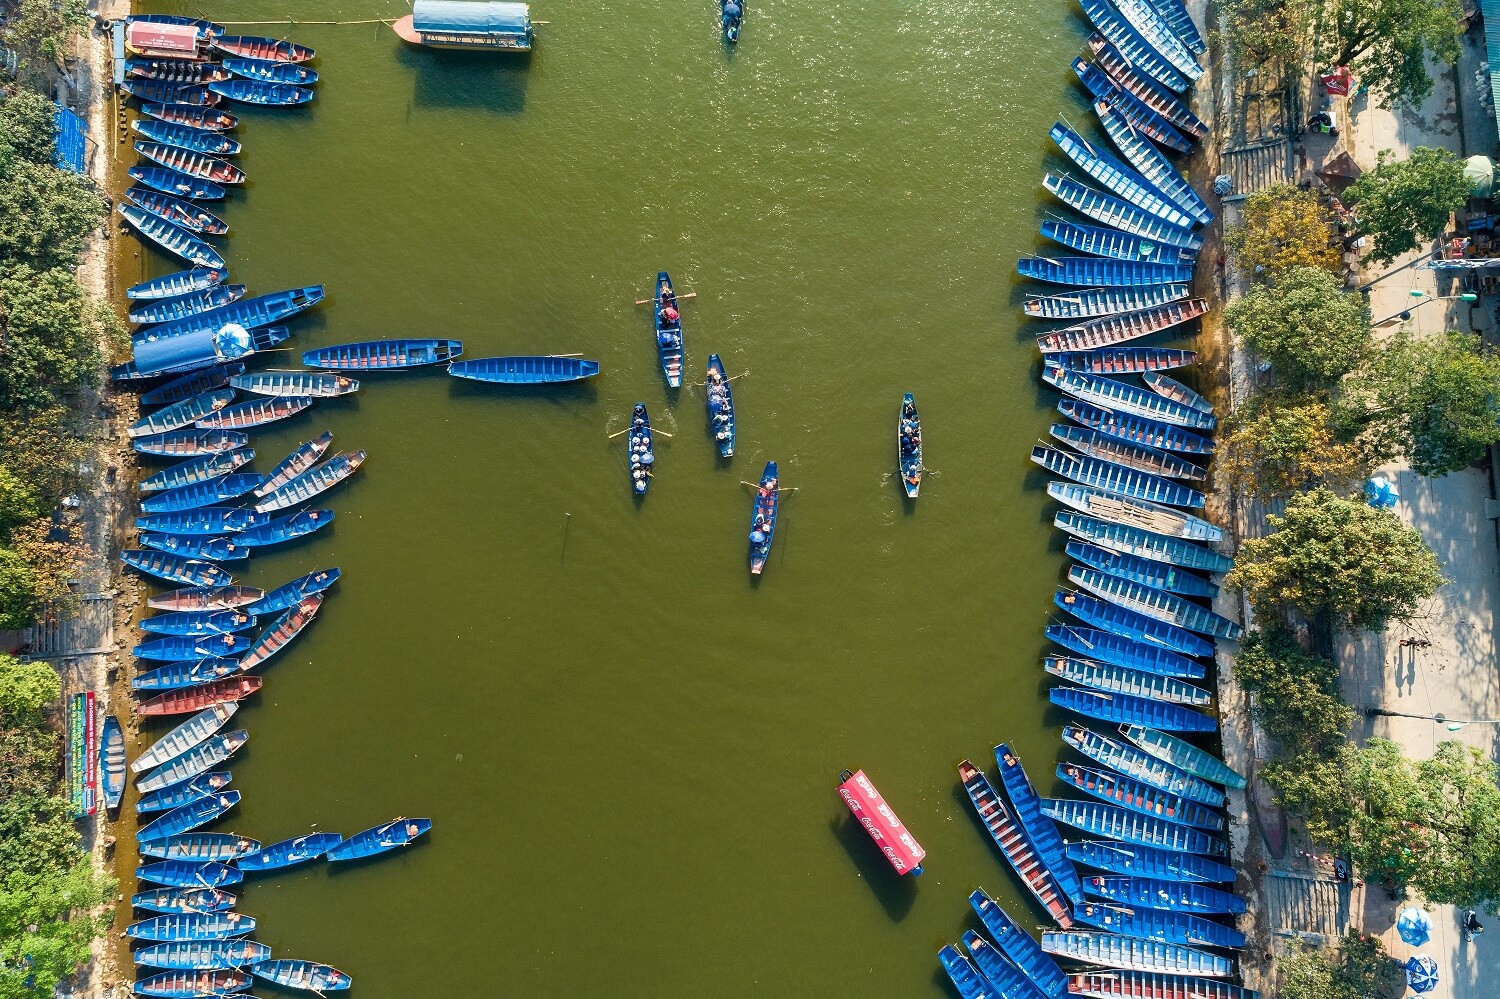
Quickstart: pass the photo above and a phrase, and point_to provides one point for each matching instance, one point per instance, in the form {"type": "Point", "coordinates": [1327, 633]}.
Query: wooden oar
{"type": "Point", "coordinates": [652, 299]}
{"type": "Point", "coordinates": [627, 430]}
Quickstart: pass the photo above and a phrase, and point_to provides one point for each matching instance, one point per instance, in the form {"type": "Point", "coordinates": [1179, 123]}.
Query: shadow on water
{"type": "Point", "coordinates": [895, 893]}
{"type": "Point", "coordinates": [555, 394]}
{"type": "Point", "coordinates": [339, 868]}
{"type": "Point", "coordinates": [484, 81]}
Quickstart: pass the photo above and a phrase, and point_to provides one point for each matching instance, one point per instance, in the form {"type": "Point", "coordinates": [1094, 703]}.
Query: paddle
{"type": "Point", "coordinates": [778, 489]}
{"type": "Point", "coordinates": [627, 430]}
{"type": "Point", "coordinates": [652, 300]}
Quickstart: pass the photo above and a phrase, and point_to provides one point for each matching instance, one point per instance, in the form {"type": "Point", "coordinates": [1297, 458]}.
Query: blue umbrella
{"type": "Point", "coordinates": [1381, 493]}
{"type": "Point", "coordinates": [1414, 926]}
{"type": "Point", "coordinates": [1422, 973]}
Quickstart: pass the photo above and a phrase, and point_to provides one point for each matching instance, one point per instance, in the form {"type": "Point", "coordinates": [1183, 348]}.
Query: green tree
{"type": "Point", "coordinates": [45, 213]}
{"type": "Point", "coordinates": [1265, 31]}
{"type": "Point", "coordinates": [1296, 693]}
{"type": "Point", "coordinates": [28, 761]}
{"type": "Point", "coordinates": [1275, 446]}
{"type": "Point", "coordinates": [37, 834]}
{"type": "Point", "coordinates": [1403, 201]}
{"type": "Point", "coordinates": [1282, 227]}
{"type": "Point", "coordinates": [1311, 331]}
{"type": "Point", "coordinates": [51, 345]}
{"type": "Point", "coordinates": [42, 449]}
{"type": "Point", "coordinates": [25, 689]}
{"type": "Point", "coordinates": [18, 603]}
{"type": "Point", "coordinates": [28, 126]}
{"type": "Point", "coordinates": [20, 501]}
{"type": "Point", "coordinates": [1359, 969]}
{"type": "Point", "coordinates": [1387, 42]}
{"type": "Point", "coordinates": [39, 30]}
{"type": "Point", "coordinates": [1435, 400]}
{"type": "Point", "coordinates": [1338, 560]}
{"type": "Point", "coordinates": [47, 922]}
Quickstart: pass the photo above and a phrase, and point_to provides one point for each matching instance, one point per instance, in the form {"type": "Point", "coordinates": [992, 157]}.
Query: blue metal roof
{"type": "Point", "coordinates": [70, 129]}
{"type": "Point", "coordinates": [471, 17]}
{"type": "Point", "coordinates": [1491, 11]}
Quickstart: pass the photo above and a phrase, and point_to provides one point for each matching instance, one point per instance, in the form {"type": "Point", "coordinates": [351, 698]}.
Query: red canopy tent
{"type": "Point", "coordinates": [904, 852]}
{"type": "Point", "coordinates": [179, 41]}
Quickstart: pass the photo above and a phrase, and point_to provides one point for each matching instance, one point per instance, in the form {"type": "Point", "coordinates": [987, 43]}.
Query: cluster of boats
{"type": "Point", "coordinates": [1138, 899]}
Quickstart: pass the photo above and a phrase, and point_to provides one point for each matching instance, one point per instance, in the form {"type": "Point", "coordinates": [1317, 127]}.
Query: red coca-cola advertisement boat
{"type": "Point", "coordinates": [884, 827]}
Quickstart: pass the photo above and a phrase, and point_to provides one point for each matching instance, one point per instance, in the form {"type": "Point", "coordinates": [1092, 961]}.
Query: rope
{"type": "Point", "coordinates": [288, 20]}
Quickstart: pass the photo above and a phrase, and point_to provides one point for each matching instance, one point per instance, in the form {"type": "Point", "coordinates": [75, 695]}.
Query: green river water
{"type": "Point", "coordinates": [629, 748]}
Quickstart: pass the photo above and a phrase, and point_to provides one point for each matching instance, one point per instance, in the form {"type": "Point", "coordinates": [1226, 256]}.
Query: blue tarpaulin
{"type": "Point", "coordinates": [470, 17]}
{"type": "Point", "coordinates": [70, 129]}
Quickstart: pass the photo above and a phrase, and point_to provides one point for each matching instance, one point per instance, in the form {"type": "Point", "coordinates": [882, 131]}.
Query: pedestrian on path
{"type": "Point", "coordinates": [1472, 926]}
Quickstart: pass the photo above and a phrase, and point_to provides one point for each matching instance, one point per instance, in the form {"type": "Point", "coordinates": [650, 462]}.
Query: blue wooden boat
{"type": "Point", "coordinates": [192, 926]}
{"type": "Point", "coordinates": [998, 971]}
{"type": "Point", "coordinates": [313, 483]}
{"type": "Point", "coordinates": [1129, 624]}
{"type": "Point", "coordinates": [166, 92]}
{"type": "Point", "coordinates": [1147, 527]}
{"type": "Point", "coordinates": [200, 847]}
{"type": "Point", "coordinates": [1156, 97]}
{"type": "Point", "coordinates": [179, 675]}
{"type": "Point", "coordinates": [1114, 951]}
{"type": "Point", "coordinates": [185, 736]}
{"type": "Point", "coordinates": [1120, 397]}
{"type": "Point", "coordinates": [1135, 429]}
{"type": "Point", "coordinates": [1102, 272]}
{"type": "Point", "coordinates": [1120, 214]}
{"type": "Point", "coordinates": [1142, 766]}
{"type": "Point", "coordinates": [1130, 984]}
{"type": "Point", "coordinates": [1088, 303]}
{"type": "Point", "coordinates": [1151, 26]}
{"type": "Point", "coordinates": [176, 284]}
{"type": "Point", "coordinates": [1146, 460]}
{"type": "Point", "coordinates": [225, 487]}
{"type": "Point", "coordinates": [1171, 896]}
{"type": "Point", "coordinates": [181, 414]}
{"type": "Point", "coordinates": [166, 900]}
{"type": "Point", "coordinates": [732, 18]}
{"type": "Point", "coordinates": [763, 518]}
{"type": "Point", "coordinates": [1116, 478]}
{"type": "Point", "coordinates": [201, 758]}
{"type": "Point", "coordinates": [296, 850]}
{"type": "Point", "coordinates": [383, 355]}
{"type": "Point", "coordinates": [112, 761]}
{"type": "Point", "coordinates": [270, 71]}
{"type": "Point", "coordinates": [299, 524]}
{"type": "Point", "coordinates": [186, 818]}
{"type": "Point", "coordinates": [269, 336]}
{"type": "Point", "coordinates": [909, 446]}
{"type": "Point", "coordinates": [204, 955]}
{"type": "Point", "coordinates": [1105, 241]}
{"type": "Point", "coordinates": [178, 71]}
{"type": "Point", "coordinates": [261, 92]}
{"type": "Point", "coordinates": [536, 370]}
{"type": "Point", "coordinates": [191, 114]}
{"type": "Point", "coordinates": [964, 976]}
{"type": "Point", "coordinates": [188, 305]}
{"type": "Point", "coordinates": [1170, 388]}
{"type": "Point", "coordinates": [1111, 821]}
{"type": "Point", "coordinates": [188, 443]}
{"type": "Point", "coordinates": [197, 546]}
{"type": "Point", "coordinates": [1154, 603]}
{"type": "Point", "coordinates": [179, 212]}
{"type": "Point", "coordinates": [290, 594]}
{"type": "Point", "coordinates": [640, 455]}
{"type": "Point", "coordinates": [1141, 53]}
{"type": "Point", "coordinates": [303, 457]}
{"type": "Point", "coordinates": [251, 313]}
{"type": "Point", "coordinates": [255, 413]}
{"type": "Point", "coordinates": [720, 401]}
{"type": "Point", "coordinates": [313, 384]}
{"type": "Point", "coordinates": [306, 975]}
{"type": "Point", "coordinates": [214, 520]}
{"type": "Point", "coordinates": [199, 469]}
{"type": "Point", "coordinates": [184, 874]}
{"type": "Point", "coordinates": [198, 165]}
{"type": "Point", "coordinates": [1175, 13]}
{"type": "Point", "coordinates": [1039, 830]}
{"type": "Point", "coordinates": [206, 29]}
{"type": "Point", "coordinates": [1150, 162]}
{"type": "Point", "coordinates": [281, 632]}
{"type": "Point", "coordinates": [1140, 115]}
{"type": "Point", "coordinates": [1155, 924]}
{"type": "Point", "coordinates": [1102, 705]}
{"type": "Point", "coordinates": [1119, 179]}
{"type": "Point", "coordinates": [1009, 837]}
{"type": "Point", "coordinates": [268, 49]}
{"type": "Point", "coordinates": [206, 785]}
{"type": "Point", "coordinates": [1147, 861]}
{"type": "Point", "coordinates": [178, 184]}
{"type": "Point", "coordinates": [194, 140]}
{"type": "Point", "coordinates": [178, 648]}
{"type": "Point", "coordinates": [380, 839]}
{"type": "Point", "coordinates": [193, 984]}
{"type": "Point", "coordinates": [1019, 947]}
{"type": "Point", "coordinates": [669, 345]}
{"type": "Point", "coordinates": [174, 568]}
{"type": "Point", "coordinates": [1110, 648]}
{"type": "Point", "coordinates": [169, 237]}
{"type": "Point", "coordinates": [1138, 796]}
{"type": "Point", "coordinates": [1159, 575]}
{"type": "Point", "coordinates": [1123, 680]}
{"type": "Point", "coordinates": [1186, 757]}
{"type": "Point", "coordinates": [1112, 330]}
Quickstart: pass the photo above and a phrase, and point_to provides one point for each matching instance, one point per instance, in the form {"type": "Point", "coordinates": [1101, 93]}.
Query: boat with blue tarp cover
{"type": "Point", "coordinates": [312, 483]}
{"type": "Point", "coordinates": [186, 818]}
{"type": "Point", "coordinates": [1109, 331]}
{"type": "Point", "coordinates": [763, 518]}
{"type": "Point", "coordinates": [1088, 303]}
{"type": "Point", "coordinates": [307, 975]}
{"type": "Point", "coordinates": [1127, 708]}
{"type": "Point", "coordinates": [1138, 984]}
{"type": "Point", "coordinates": [180, 675]}
{"type": "Point", "coordinates": [1111, 648]}
{"type": "Point", "coordinates": [166, 900]}
{"type": "Point", "coordinates": [269, 49]}
{"type": "Point", "coordinates": [297, 525]}
{"type": "Point", "coordinates": [180, 212]}
{"type": "Point", "coordinates": [180, 648]}
{"type": "Point", "coordinates": [640, 456]}
{"type": "Point", "coordinates": [720, 403]}
{"type": "Point", "coordinates": [1119, 179]}
{"type": "Point", "coordinates": [1158, 604]}
{"type": "Point", "coordinates": [1133, 512]}
{"type": "Point", "coordinates": [302, 457]}
{"type": "Point", "coordinates": [1123, 360]}
{"type": "Point", "coordinates": [1120, 397]}
{"type": "Point", "coordinates": [198, 622]}
{"type": "Point", "coordinates": [185, 874]}
{"type": "Point", "coordinates": [177, 283]}
{"type": "Point", "coordinates": [1129, 624]}
{"type": "Point", "coordinates": [166, 92]}
{"type": "Point", "coordinates": [255, 413]}
{"type": "Point", "coordinates": [1114, 951]}
{"type": "Point", "coordinates": [271, 71]}
{"type": "Point", "coordinates": [1172, 750]}
{"type": "Point", "coordinates": [262, 92]}
{"type": "Point", "coordinates": [380, 839]}
{"type": "Point", "coordinates": [1135, 429]}
{"type": "Point", "coordinates": [188, 305]}
{"type": "Point", "coordinates": [290, 594]}
{"type": "Point", "coordinates": [112, 761]}
{"type": "Point", "coordinates": [189, 443]}
{"type": "Point", "coordinates": [1141, 53]}
{"type": "Point", "coordinates": [281, 632]}
{"type": "Point", "coordinates": [200, 847]}
{"type": "Point", "coordinates": [1152, 94]}
{"type": "Point", "coordinates": [225, 487]}
{"type": "Point", "coordinates": [1123, 680]}
{"type": "Point", "coordinates": [194, 140]}
{"type": "Point", "coordinates": [1018, 946]}
{"type": "Point", "coordinates": [174, 568]}
{"type": "Point", "coordinates": [214, 520]}
{"type": "Point", "coordinates": [383, 355]}
{"type": "Point", "coordinates": [1159, 925]}
{"type": "Point", "coordinates": [181, 414]}
{"type": "Point", "coordinates": [1141, 765]}
{"type": "Point", "coordinates": [1102, 447]}
{"type": "Point", "coordinates": [1105, 90]}
{"type": "Point", "coordinates": [1142, 544]}
{"type": "Point", "coordinates": [1148, 861]}
{"type": "Point", "coordinates": [314, 384]}
{"type": "Point", "coordinates": [1170, 388]}
{"type": "Point", "coordinates": [196, 546]}
{"type": "Point", "coordinates": [297, 850]}
{"type": "Point", "coordinates": [195, 115]}
{"type": "Point", "coordinates": [534, 370]}
{"type": "Point", "coordinates": [203, 955]}
{"type": "Point", "coordinates": [1158, 575]}
{"type": "Point", "coordinates": [197, 469]}
{"type": "Point", "coordinates": [964, 976]}
{"type": "Point", "coordinates": [199, 165]}
{"type": "Point", "coordinates": [1116, 478]}
{"type": "Point", "coordinates": [178, 184]}
{"type": "Point", "coordinates": [1143, 17]}
{"type": "Point", "coordinates": [192, 984]}
{"type": "Point", "coordinates": [203, 757]}
{"type": "Point", "coordinates": [1102, 272]}
{"type": "Point", "coordinates": [1138, 796]}
{"type": "Point", "coordinates": [251, 313]}
{"type": "Point", "coordinates": [192, 926]}
{"type": "Point", "coordinates": [1119, 213]}
{"type": "Point", "coordinates": [668, 320]}
{"type": "Point", "coordinates": [205, 785]}
{"type": "Point", "coordinates": [1106, 241]}
{"type": "Point", "coordinates": [185, 736]}
{"type": "Point", "coordinates": [998, 971]}
{"type": "Point", "coordinates": [1038, 828]}
{"type": "Point", "coordinates": [1013, 843]}
{"type": "Point", "coordinates": [1171, 896]}
{"type": "Point", "coordinates": [171, 238]}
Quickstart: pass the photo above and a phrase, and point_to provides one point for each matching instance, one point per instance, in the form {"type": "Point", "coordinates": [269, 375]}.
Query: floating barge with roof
{"type": "Point", "coordinates": [462, 24]}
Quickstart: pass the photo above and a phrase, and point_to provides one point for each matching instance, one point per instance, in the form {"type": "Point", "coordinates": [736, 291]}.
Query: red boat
{"type": "Point", "coordinates": [898, 845]}
{"type": "Point", "coordinates": [193, 164]}
{"type": "Point", "coordinates": [181, 702]}
{"type": "Point", "coordinates": [283, 631]}
{"type": "Point", "coordinates": [206, 598]}
{"type": "Point", "coordinates": [1006, 833]}
{"type": "Point", "coordinates": [270, 49]}
{"type": "Point", "coordinates": [1151, 985]}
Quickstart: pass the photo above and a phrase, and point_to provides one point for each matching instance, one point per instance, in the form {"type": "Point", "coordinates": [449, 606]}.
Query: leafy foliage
{"type": "Point", "coordinates": [25, 689]}
{"type": "Point", "coordinates": [1264, 31]}
{"type": "Point", "coordinates": [39, 30]}
{"type": "Point", "coordinates": [17, 592]}
{"type": "Point", "coordinates": [1280, 228]}
{"type": "Point", "coordinates": [56, 559]}
{"type": "Point", "coordinates": [36, 834]}
{"type": "Point", "coordinates": [28, 127]}
{"type": "Point", "coordinates": [1403, 201]}
{"type": "Point", "coordinates": [1275, 446]}
{"type": "Point", "coordinates": [45, 214]}
{"type": "Point", "coordinates": [1338, 558]}
{"type": "Point", "coordinates": [47, 921]}
{"type": "Point", "coordinates": [1311, 331]}
{"type": "Point", "coordinates": [42, 449]}
{"type": "Point", "coordinates": [28, 760]}
{"type": "Point", "coordinates": [1296, 693]}
{"type": "Point", "coordinates": [1359, 969]}
{"type": "Point", "coordinates": [51, 337]}
{"type": "Point", "coordinates": [1387, 42]}
{"type": "Point", "coordinates": [20, 501]}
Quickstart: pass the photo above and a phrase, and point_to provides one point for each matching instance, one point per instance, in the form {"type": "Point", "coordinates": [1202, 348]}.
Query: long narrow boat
{"type": "Point", "coordinates": [1018, 946]}
{"type": "Point", "coordinates": [1151, 26]}
{"type": "Point", "coordinates": [1113, 951]}
{"type": "Point", "coordinates": [271, 71]}
{"type": "Point", "coordinates": [189, 443]}
{"type": "Point", "coordinates": [196, 546]}
{"type": "Point", "coordinates": [1147, 460]}
{"type": "Point", "coordinates": [1011, 982]}
{"type": "Point", "coordinates": [185, 874]}
{"type": "Point", "coordinates": [1148, 861]}
{"type": "Point", "coordinates": [1119, 213]}
{"type": "Point", "coordinates": [720, 402]}
{"type": "Point", "coordinates": [194, 140]}
{"type": "Point", "coordinates": [1123, 360]}
{"type": "Point", "coordinates": [1106, 241]}
{"type": "Point", "coordinates": [1150, 162]}
{"type": "Point", "coordinates": [1175, 13]}
{"type": "Point", "coordinates": [197, 116]}
{"type": "Point", "coordinates": [1116, 478]}
{"type": "Point", "coordinates": [180, 648]}
{"type": "Point", "coordinates": [1102, 272]}
{"type": "Point", "coordinates": [306, 975]}
{"type": "Point", "coordinates": [186, 818]}
{"type": "Point", "coordinates": [184, 737]}
{"type": "Point", "coordinates": [197, 469]}
{"type": "Point", "coordinates": [214, 520]}
{"type": "Point", "coordinates": [1089, 303]}
{"type": "Point", "coordinates": [1018, 851]}
{"type": "Point", "coordinates": [176, 569]}
{"type": "Point", "coordinates": [669, 344]}
{"type": "Point", "coordinates": [1171, 896]}
{"type": "Point", "coordinates": [530, 370]}
{"type": "Point", "coordinates": [225, 487]}
{"type": "Point", "coordinates": [202, 848]}
{"type": "Point", "coordinates": [192, 984]}
{"type": "Point", "coordinates": [1141, 53]}
{"type": "Point", "coordinates": [192, 926]}
{"type": "Point", "coordinates": [1123, 680]}
{"type": "Point", "coordinates": [297, 525]}
{"type": "Point", "coordinates": [1039, 830]}
{"type": "Point", "coordinates": [197, 623]}
{"type": "Point", "coordinates": [313, 483]}
{"type": "Point", "coordinates": [1120, 397]}
{"type": "Point", "coordinates": [1135, 429]}
{"type": "Point", "coordinates": [1133, 512]}
{"type": "Point", "coordinates": [181, 414]}
{"type": "Point", "coordinates": [204, 756]}
{"type": "Point", "coordinates": [1118, 178]}
{"type": "Point", "coordinates": [188, 305]}
{"type": "Point", "coordinates": [112, 761]}
{"type": "Point", "coordinates": [288, 595]}
{"type": "Point", "coordinates": [192, 164]}
{"type": "Point", "coordinates": [1138, 796]}
{"type": "Point", "coordinates": [182, 702]}
{"type": "Point", "coordinates": [303, 457]}
{"type": "Point", "coordinates": [909, 446]}
{"type": "Point", "coordinates": [1154, 603]}
{"type": "Point", "coordinates": [205, 598]}
{"type": "Point", "coordinates": [1109, 331]}
{"type": "Point", "coordinates": [964, 976]}
{"type": "Point", "coordinates": [1186, 757]}
{"type": "Point", "coordinates": [1148, 91]}
{"type": "Point", "coordinates": [251, 313]}
{"type": "Point", "coordinates": [203, 955]}
{"type": "Point", "coordinates": [165, 900]}
{"type": "Point", "coordinates": [1105, 91]}
{"type": "Point", "coordinates": [180, 212]}
{"type": "Point", "coordinates": [1130, 624]}
{"type": "Point", "coordinates": [269, 49]}
{"type": "Point", "coordinates": [380, 839]}
{"type": "Point", "coordinates": [262, 92]}
{"type": "Point", "coordinates": [178, 184]}
{"type": "Point", "coordinates": [179, 242]}
{"type": "Point", "coordinates": [1142, 766]}
{"type": "Point", "coordinates": [205, 785]}
{"type": "Point", "coordinates": [1113, 822]}
{"type": "Point", "coordinates": [1158, 575]}
{"type": "Point", "coordinates": [297, 850]}
{"type": "Point", "coordinates": [280, 634]}
{"type": "Point", "coordinates": [731, 19]}
{"type": "Point", "coordinates": [763, 518]}
{"type": "Point", "coordinates": [383, 355]}
{"type": "Point", "coordinates": [1150, 985]}
{"type": "Point", "coordinates": [1102, 705]}
{"type": "Point", "coordinates": [1158, 925]}
{"type": "Point", "coordinates": [1171, 388]}
{"type": "Point", "coordinates": [316, 384]}
{"type": "Point", "coordinates": [255, 413]}
{"type": "Point", "coordinates": [1141, 544]}
{"type": "Point", "coordinates": [181, 675]}
{"type": "Point", "coordinates": [176, 284]}
{"type": "Point", "coordinates": [1111, 648]}
{"type": "Point", "coordinates": [165, 92]}
{"type": "Point", "coordinates": [205, 29]}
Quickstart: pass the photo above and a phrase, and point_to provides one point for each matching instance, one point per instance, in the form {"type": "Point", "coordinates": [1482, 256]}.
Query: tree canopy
{"type": "Point", "coordinates": [1403, 201]}
{"type": "Point", "coordinates": [1311, 331]}
{"type": "Point", "coordinates": [1297, 697]}
{"type": "Point", "coordinates": [1387, 42]}
{"type": "Point", "coordinates": [1275, 446]}
{"type": "Point", "coordinates": [1262, 31]}
{"type": "Point", "coordinates": [45, 213]}
{"type": "Point", "coordinates": [26, 688]}
{"type": "Point", "coordinates": [39, 30]}
{"type": "Point", "coordinates": [1282, 227]}
{"type": "Point", "coordinates": [28, 128]}
{"type": "Point", "coordinates": [1358, 969]}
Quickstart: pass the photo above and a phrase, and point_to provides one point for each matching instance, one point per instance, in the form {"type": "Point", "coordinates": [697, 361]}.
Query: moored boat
{"type": "Point", "coordinates": [1012, 841]}
{"type": "Point", "coordinates": [303, 457]}
{"type": "Point", "coordinates": [280, 634]}
{"type": "Point", "coordinates": [176, 569]}
{"type": "Point", "coordinates": [1102, 272]}
{"type": "Point", "coordinates": [187, 673]}
{"type": "Point", "coordinates": [165, 900]}
{"type": "Point", "coordinates": [251, 313]}
{"type": "Point", "coordinates": [112, 761]}
{"type": "Point", "coordinates": [180, 212]}
{"type": "Point", "coordinates": [380, 839]}
{"type": "Point", "coordinates": [1148, 861]}
{"type": "Point", "coordinates": [177, 283]}
{"type": "Point", "coordinates": [640, 455]}
{"type": "Point", "coordinates": [720, 402]}
{"type": "Point", "coordinates": [1141, 53]}
{"type": "Point", "coordinates": [1135, 429]}
{"type": "Point", "coordinates": [1103, 705]}
{"type": "Point", "coordinates": [1172, 750]}
{"type": "Point", "coordinates": [1090, 303]}
{"type": "Point", "coordinates": [200, 494]}
{"type": "Point", "coordinates": [178, 184]}
{"type": "Point", "coordinates": [288, 595]}
{"type": "Point", "coordinates": [312, 483]}
{"type": "Point", "coordinates": [177, 241]}
{"type": "Point", "coordinates": [1159, 925]}
{"type": "Point", "coordinates": [188, 817]}
{"type": "Point", "coordinates": [998, 971]}
{"type": "Point", "coordinates": [1130, 624]}
{"type": "Point", "coordinates": [185, 736]}
{"type": "Point", "coordinates": [194, 140]}
{"type": "Point", "coordinates": [1106, 91]}
{"type": "Point", "coordinates": [189, 442]}
{"type": "Point", "coordinates": [188, 305]}
{"type": "Point", "coordinates": [196, 546]}
{"type": "Point", "coordinates": [199, 165]}
{"type": "Point", "coordinates": [533, 370]}
{"type": "Point", "coordinates": [199, 469]}
{"type": "Point", "coordinates": [1138, 984]}
{"type": "Point", "coordinates": [1107, 241]}
{"type": "Point", "coordinates": [181, 414]}
{"type": "Point", "coordinates": [212, 520]}
{"type": "Point", "coordinates": [1111, 648]}
{"type": "Point", "coordinates": [1112, 330]}
{"type": "Point", "coordinates": [1026, 805]}
{"type": "Point", "coordinates": [1154, 603]}
{"type": "Point", "coordinates": [255, 413]}
{"type": "Point", "coordinates": [1137, 457]}
{"type": "Point", "coordinates": [197, 116]}
{"type": "Point", "coordinates": [1114, 951]}
{"type": "Point", "coordinates": [964, 976]}
{"type": "Point", "coordinates": [202, 757]}
{"type": "Point", "coordinates": [203, 955]}
{"type": "Point", "coordinates": [383, 355]}
{"type": "Point", "coordinates": [1117, 789]}
{"type": "Point", "coordinates": [262, 92]}
{"type": "Point", "coordinates": [297, 525]}
{"type": "Point", "coordinates": [1144, 18]}
{"type": "Point", "coordinates": [203, 29]}
{"type": "Point", "coordinates": [166, 92]}
{"type": "Point", "coordinates": [314, 384]}
{"type": "Point", "coordinates": [1148, 91]}
{"type": "Point", "coordinates": [268, 49]}
{"type": "Point", "coordinates": [668, 320]}
{"type": "Point", "coordinates": [1149, 161]}
{"type": "Point", "coordinates": [1141, 765]}
{"type": "Point", "coordinates": [1175, 13]}
{"type": "Point", "coordinates": [296, 850]}
{"type": "Point", "coordinates": [205, 785]}
{"type": "Point", "coordinates": [1019, 946]}
{"type": "Point", "coordinates": [201, 847]}
{"type": "Point", "coordinates": [1119, 179]}
{"type": "Point", "coordinates": [763, 518]}
{"type": "Point", "coordinates": [1121, 397]}
{"type": "Point", "coordinates": [1104, 505]}
{"type": "Point", "coordinates": [1170, 388]}
{"type": "Point", "coordinates": [909, 446]}
{"type": "Point", "coordinates": [192, 926]}
{"type": "Point", "coordinates": [181, 702]}
{"type": "Point", "coordinates": [1115, 478]}
{"type": "Point", "coordinates": [1119, 213]}
{"type": "Point", "coordinates": [1123, 360]}
{"type": "Point", "coordinates": [1123, 680]}
{"type": "Point", "coordinates": [307, 975]}
{"type": "Point", "coordinates": [181, 648]}
{"type": "Point", "coordinates": [271, 71]}
{"type": "Point", "coordinates": [192, 984]}
{"type": "Point", "coordinates": [186, 874]}
{"type": "Point", "coordinates": [1159, 575]}
{"type": "Point", "coordinates": [1171, 896]}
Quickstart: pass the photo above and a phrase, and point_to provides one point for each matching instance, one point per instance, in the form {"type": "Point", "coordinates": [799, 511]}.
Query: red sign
{"type": "Point", "coordinates": [898, 845]}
